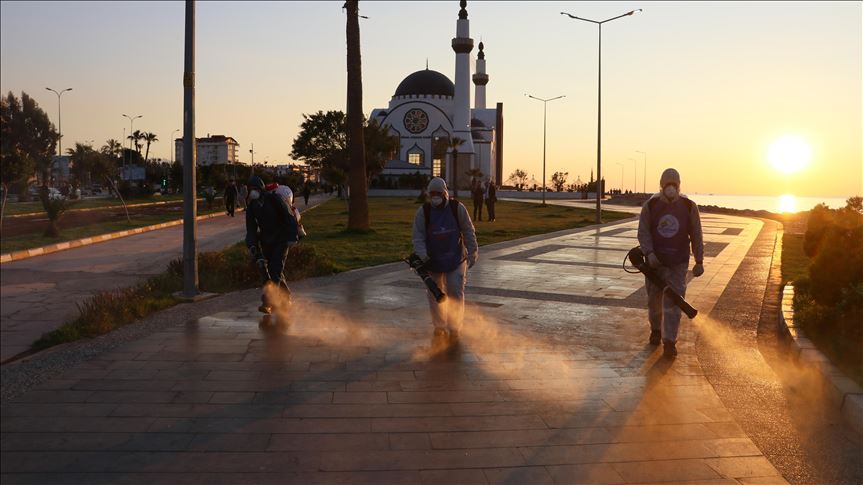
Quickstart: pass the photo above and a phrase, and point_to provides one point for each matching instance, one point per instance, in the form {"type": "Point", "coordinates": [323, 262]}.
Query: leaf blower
{"type": "Point", "coordinates": [636, 257]}
{"type": "Point", "coordinates": [416, 264]}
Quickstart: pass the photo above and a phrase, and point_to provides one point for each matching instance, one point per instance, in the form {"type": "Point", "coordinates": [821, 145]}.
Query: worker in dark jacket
{"type": "Point", "coordinates": [231, 195]}
{"type": "Point", "coordinates": [270, 231]}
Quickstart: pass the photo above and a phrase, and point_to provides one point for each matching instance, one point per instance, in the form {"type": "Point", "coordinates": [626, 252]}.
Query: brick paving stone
{"type": "Point", "coordinates": [594, 473]}
{"type": "Point", "coordinates": [526, 474]}
{"type": "Point", "coordinates": [668, 471]}
{"type": "Point", "coordinates": [538, 391]}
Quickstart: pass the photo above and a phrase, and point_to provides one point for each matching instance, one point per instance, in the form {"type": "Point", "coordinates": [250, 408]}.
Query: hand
{"type": "Point", "coordinates": [698, 270]}
{"type": "Point", "coordinates": [653, 261]}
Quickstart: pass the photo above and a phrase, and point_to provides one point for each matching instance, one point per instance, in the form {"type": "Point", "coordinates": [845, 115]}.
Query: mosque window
{"type": "Point", "coordinates": [436, 167]}
{"type": "Point", "coordinates": [415, 158]}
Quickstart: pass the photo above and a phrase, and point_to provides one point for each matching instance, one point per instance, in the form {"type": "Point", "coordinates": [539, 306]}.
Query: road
{"type": "Point", "coordinates": [40, 294]}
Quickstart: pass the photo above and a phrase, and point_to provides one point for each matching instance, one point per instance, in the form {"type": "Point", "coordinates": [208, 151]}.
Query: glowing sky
{"type": "Point", "coordinates": [704, 87]}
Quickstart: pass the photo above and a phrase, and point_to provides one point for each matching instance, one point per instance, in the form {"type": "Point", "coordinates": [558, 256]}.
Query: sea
{"type": "Point", "coordinates": [779, 203]}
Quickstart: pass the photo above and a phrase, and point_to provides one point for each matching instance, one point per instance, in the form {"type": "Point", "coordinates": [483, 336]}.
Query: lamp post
{"type": "Point", "coordinates": [621, 177]}
{"type": "Point", "coordinates": [174, 149]}
{"type": "Point", "coordinates": [190, 209]}
{"type": "Point", "coordinates": [131, 130]}
{"type": "Point", "coordinates": [599, 109]}
{"type": "Point", "coordinates": [544, 104]}
{"type": "Point", "coordinates": [645, 169]}
{"type": "Point", "coordinates": [59, 120]}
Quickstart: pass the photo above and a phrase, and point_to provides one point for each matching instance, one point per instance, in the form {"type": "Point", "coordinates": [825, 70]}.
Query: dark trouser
{"type": "Point", "coordinates": [230, 206]}
{"type": "Point", "coordinates": [477, 209]}
{"type": "Point", "coordinates": [306, 198]}
{"type": "Point", "coordinates": [489, 206]}
{"type": "Point", "coordinates": [276, 256]}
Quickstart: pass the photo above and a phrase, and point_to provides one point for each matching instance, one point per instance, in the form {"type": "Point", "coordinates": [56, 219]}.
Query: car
{"type": "Point", "coordinates": [96, 189]}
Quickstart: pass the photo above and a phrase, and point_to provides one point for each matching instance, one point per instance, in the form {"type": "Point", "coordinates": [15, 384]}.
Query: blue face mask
{"type": "Point", "coordinates": [254, 195]}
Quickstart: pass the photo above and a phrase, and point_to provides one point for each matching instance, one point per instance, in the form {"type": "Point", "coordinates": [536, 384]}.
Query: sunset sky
{"type": "Point", "coordinates": [703, 87]}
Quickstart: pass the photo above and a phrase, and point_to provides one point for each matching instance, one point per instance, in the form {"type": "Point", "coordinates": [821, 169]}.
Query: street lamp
{"type": "Point", "coordinates": [175, 145]}
{"type": "Point", "coordinates": [544, 104]}
{"type": "Point", "coordinates": [645, 169]}
{"type": "Point", "coordinates": [599, 109]}
{"type": "Point", "coordinates": [59, 120]}
{"type": "Point", "coordinates": [621, 177]}
{"type": "Point", "coordinates": [131, 129]}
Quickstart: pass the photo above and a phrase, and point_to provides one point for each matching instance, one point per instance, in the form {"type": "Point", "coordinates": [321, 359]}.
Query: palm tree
{"type": "Point", "coordinates": [112, 147]}
{"type": "Point", "coordinates": [136, 137]}
{"type": "Point", "coordinates": [358, 215]}
{"type": "Point", "coordinates": [80, 156]}
{"type": "Point", "coordinates": [453, 143]}
{"type": "Point", "coordinates": [149, 138]}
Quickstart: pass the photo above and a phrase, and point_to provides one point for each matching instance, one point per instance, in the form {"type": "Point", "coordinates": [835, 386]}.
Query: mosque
{"type": "Point", "coordinates": [429, 114]}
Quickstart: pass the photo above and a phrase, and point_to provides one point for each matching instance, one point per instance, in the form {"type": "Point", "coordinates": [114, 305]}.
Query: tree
{"type": "Point", "coordinates": [136, 137]}
{"type": "Point", "coordinates": [149, 138]}
{"type": "Point", "coordinates": [519, 178]}
{"type": "Point", "coordinates": [380, 146]}
{"type": "Point", "coordinates": [112, 148]}
{"type": "Point", "coordinates": [558, 180]}
{"type": "Point", "coordinates": [358, 215]}
{"type": "Point", "coordinates": [28, 140]}
{"type": "Point", "coordinates": [322, 138]}
{"type": "Point", "coordinates": [453, 142]}
{"type": "Point", "coordinates": [82, 158]}
{"type": "Point", "coordinates": [322, 144]}
{"type": "Point", "coordinates": [855, 204]}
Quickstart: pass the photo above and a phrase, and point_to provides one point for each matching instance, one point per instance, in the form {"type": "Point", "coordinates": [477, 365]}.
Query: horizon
{"type": "Point", "coordinates": [675, 83]}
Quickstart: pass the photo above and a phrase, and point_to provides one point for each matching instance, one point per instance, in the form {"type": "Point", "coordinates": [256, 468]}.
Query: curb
{"type": "Point", "coordinates": [845, 392]}
{"type": "Point", "coordinates": [53, 248]}
{"type": "Point", "coordinates": [118, 206]}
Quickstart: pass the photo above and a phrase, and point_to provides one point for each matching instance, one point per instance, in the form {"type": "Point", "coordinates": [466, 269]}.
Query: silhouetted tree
{"type": "Point", "coordinates": [358, 215]}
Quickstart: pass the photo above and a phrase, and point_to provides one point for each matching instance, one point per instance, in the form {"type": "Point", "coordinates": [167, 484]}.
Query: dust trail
{"type": "Point", "coordinates": [805, 387]}
{"type": "Point", "coordinates": [300, 317]}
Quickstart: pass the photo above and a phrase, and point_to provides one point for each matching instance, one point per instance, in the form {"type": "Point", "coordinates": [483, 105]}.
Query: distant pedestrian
{"type": "Point", "coordinates": [306, 193]}
{"type": "Point", "coordinates": [668, 226]}
{"type": "Point", "coordinates": [271, 230]}
{"type": "Point", "coordinates": [242, 196]}
{"type": "Point", "coordinates": [445, 239]}
{"type": "Point", "coordinates": [231, 196]}
{"type": "Point", "coordinates": [476, 195]}
{"type": "Point", "coordinates": [490, 199]}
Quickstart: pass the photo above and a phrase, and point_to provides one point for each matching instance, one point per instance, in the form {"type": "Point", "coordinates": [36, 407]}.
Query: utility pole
{"type": "Point", "coordinates": [190, 208]}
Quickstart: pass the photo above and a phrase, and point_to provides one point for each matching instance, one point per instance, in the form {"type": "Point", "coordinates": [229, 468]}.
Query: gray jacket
{"type": "Point", "coordinates": [696, 237]}
{"type": "Point", "coordinates": [468, 233]}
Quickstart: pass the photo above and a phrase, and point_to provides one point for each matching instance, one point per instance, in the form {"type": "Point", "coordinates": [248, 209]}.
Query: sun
{"type": "Point", "coordinates": [789, 154]}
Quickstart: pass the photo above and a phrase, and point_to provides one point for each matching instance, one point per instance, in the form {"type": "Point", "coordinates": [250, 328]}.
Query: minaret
{"type": "Point", "coordinates": [480, 79]}
{"type": "Point", "coordinates": [462, 44]}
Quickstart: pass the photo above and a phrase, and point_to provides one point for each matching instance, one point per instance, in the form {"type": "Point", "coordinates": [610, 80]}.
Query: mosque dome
{"type": "Point", "coordinates": [425, 83]}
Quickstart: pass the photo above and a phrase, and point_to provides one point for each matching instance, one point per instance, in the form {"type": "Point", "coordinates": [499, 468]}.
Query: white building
{"type": "Point", "coordinates": [212, 150]}
{"type": "Point", "coordinates": [427, 110]}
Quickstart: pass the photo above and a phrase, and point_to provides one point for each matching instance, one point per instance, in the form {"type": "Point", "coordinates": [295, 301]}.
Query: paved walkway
{"type": "Point", "coordinates": [553, 383]}
{"type": "Point", "coordinates": [40, 294]}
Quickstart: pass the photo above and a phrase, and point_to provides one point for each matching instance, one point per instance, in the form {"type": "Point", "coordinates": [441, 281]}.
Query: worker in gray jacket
{"type": "Point", "coordinates": [668, 226]}
{"type": "Point", "coordinates": [445, 239]}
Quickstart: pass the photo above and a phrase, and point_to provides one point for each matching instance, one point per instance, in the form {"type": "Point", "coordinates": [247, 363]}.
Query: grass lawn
{"type": "Point", "coordinates": [30, 241]}
{"type": "Point", "coordinates": [13, 208]}
{"type": "Point", "coordinates": [392, 222]}
{"type": "Point", "coordinates": [794, 261]}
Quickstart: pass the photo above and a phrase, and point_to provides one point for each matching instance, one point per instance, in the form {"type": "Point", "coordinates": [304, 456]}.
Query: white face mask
{"type": "Point", "coordinates": [670, 191]}
{"type": "Point", "coordinates": [436, 201]}
{"type": "Point", "coordinates": [254, 195]}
